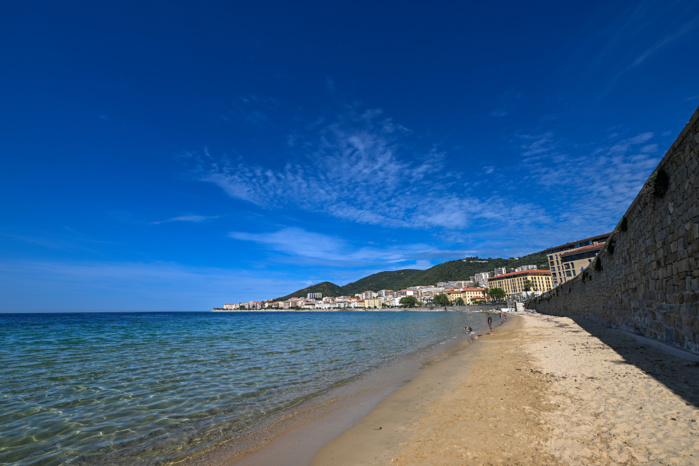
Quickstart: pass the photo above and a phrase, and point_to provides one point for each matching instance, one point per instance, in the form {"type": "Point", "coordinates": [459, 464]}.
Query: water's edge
{"type": "Point", "coordinates": [296, 434]}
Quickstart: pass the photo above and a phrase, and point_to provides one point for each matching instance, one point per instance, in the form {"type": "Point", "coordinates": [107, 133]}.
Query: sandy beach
{"type": "Point", "coordinates": [540, 390]}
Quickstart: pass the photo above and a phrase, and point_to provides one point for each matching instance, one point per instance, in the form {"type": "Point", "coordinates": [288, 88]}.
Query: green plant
{"type": "Point", "coordinates": [408, 301]}
{"type": "Point", "coordinates": [624, 225]}
{"type": "Point", "coordinates": [659, 181]}
{"type": "Point", "coordinates": [598, 265]}
{"type": "Point", "coordinates": [441, 300]}
{"type": "Point", "coordinates": [610, 245]}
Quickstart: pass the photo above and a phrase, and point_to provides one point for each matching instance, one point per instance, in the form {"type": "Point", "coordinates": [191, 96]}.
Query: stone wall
{"type": "Point", "coordinates": [647, 278]}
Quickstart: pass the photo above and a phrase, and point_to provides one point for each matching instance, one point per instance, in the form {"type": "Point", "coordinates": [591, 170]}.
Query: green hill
{"type": "Point", "coordinates": [461, 269]}
{"type": "Point", "coordinates": [380, 281]}
{"type": "Point", "coordinates": [327, 288]}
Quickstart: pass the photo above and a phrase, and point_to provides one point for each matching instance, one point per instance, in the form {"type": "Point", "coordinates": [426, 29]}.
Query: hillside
{"type": "Point", "coordinates": [327, 288]}
{"type": "Point", "coordinates": [460, 269]}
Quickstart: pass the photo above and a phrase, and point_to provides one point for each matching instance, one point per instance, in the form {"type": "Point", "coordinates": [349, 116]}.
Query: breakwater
{"type": "Point", "coordinates": [646, 279]}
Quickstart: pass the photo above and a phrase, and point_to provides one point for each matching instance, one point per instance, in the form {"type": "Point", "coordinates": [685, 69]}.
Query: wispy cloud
{"type": "Point", "coordinates": [364, 168]}
{"type": "Point", "coordinates": [623, 146]}
{"type": "Point", "coordinates": [537, 144]}
{"type": "Point", "coordinates": [361, 167]}
{"type": "Point", "coordinates": [665, 40]}
{"type": "Point", "coordinates": [320, 248]}
{"type": "Point", "coordinates": [594, 185]}
{"type": "Point", "coordinates": [188, 218]}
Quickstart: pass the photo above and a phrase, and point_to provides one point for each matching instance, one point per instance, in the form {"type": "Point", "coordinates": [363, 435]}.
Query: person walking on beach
{"type": "Point", "coordinates": [490, 324]}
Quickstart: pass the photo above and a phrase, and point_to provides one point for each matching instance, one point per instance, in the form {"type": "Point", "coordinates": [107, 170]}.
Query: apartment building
{"type": "Point", "coordinates": [373, 303]}
{"type": "Point", "coordinates": [514, 282]}
{"type": "Point", "coordinates": [576, 260]}
{"type": "Point", "coordinates": [482, 278]}
{"type": "Point", "coordinates": [467, 294]}
{"type": "Point", "coordinates": [525, 267]}
{"type": "Point", "coordinates": [559, 272]}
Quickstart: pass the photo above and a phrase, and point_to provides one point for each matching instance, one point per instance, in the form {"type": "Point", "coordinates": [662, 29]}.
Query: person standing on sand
{"type": "Point", "coordinates": [490, 324]}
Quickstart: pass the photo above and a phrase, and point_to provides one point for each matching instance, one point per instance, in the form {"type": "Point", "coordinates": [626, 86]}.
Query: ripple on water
{"type": "Point", "coordinates": [129, 387]}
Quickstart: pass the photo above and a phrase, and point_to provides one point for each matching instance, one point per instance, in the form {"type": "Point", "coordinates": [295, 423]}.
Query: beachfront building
{"type": "Point", "coordinates": [231, 307]}
{"type": "Point", "coordinates": [373, 303]}
{"type": "Point", "coordinates": [453, 295]}
{"type": "Point", "coordinates": [576, 260]}
{"type": "Point", "coordinates": [472, 294]}
{"type": "Point", "coordinates": [469, 295]}
{"type": "Point", "coordinates": [515, 283]}
{"type": "Point", "coordinates": [558, 270]}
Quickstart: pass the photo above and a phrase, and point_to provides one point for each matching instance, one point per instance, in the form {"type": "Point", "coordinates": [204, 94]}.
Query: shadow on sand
{"type": "Point", "coordinates": [679, 375]}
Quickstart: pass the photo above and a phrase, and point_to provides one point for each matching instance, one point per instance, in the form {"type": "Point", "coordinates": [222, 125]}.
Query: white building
{"type": "Point", "coordinates": [525, 267]}
{"type": "Point", "coordinates": [482, 278]}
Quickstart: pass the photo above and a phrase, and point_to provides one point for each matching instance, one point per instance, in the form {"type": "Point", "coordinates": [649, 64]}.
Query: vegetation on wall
{"type": "Point", "coordinates": [658, 182]}
{"type": "Point", "coordinates": [624, 225]}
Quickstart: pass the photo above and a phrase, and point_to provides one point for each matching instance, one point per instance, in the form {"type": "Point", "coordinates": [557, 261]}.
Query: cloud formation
{"type": "Point", "coordinates": [364, 168]}
{"type": "Point", "coordinates": [361, 167]}
{"type": "Point", "coordinates": [595, 185]}
{"type": "Point", "coordinates": [321, 248]}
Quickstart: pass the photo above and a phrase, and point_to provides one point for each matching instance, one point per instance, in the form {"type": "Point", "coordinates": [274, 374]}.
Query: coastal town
{"type": "Point", "coordinates": [516, 284]}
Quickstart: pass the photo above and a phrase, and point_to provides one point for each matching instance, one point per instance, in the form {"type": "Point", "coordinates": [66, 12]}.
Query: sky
{"type": "Point", "coordinates": [182, 155]}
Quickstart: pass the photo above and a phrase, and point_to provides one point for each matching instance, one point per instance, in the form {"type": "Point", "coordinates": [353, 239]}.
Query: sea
{"type": "Point", "coordinates": [143, 388]}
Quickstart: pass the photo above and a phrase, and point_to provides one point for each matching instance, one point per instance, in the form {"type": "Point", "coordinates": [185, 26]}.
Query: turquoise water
{"type": "Point", "coordinates": [144, 387]}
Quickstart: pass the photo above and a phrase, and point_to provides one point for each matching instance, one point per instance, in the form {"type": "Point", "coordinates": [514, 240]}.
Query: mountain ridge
{"type": "Point", "coordinates": [458, 269]}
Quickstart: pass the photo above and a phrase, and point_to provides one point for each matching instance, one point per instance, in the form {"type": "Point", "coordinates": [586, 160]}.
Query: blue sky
{"type": "Point", "coordinates": [182, 155]}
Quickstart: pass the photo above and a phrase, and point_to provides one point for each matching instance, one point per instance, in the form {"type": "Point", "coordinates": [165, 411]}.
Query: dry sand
{"type": "Point", "coordinates": [541, 390]}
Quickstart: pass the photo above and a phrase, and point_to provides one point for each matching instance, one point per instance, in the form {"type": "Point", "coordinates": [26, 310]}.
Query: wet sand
{"type": "Point", "coordinates": [540, 390]}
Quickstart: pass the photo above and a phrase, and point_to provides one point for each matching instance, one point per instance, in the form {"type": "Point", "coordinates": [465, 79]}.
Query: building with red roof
{"type": "Point", "coordinates": [561, 270]}
{"type": "Point", "coordinates": [515, 282]}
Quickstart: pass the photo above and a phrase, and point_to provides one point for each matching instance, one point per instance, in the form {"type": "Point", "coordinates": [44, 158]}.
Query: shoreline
{"type": "Point", "coordinates": [295, 434]}
{"type": "Point", "coordinates": [494, 307]}
{"type": "Point", "coordinates": [541, 389]}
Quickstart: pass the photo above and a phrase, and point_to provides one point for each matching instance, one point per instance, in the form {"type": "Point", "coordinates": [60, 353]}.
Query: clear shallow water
{"type": "Point", "coordinates": [143, 387]}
